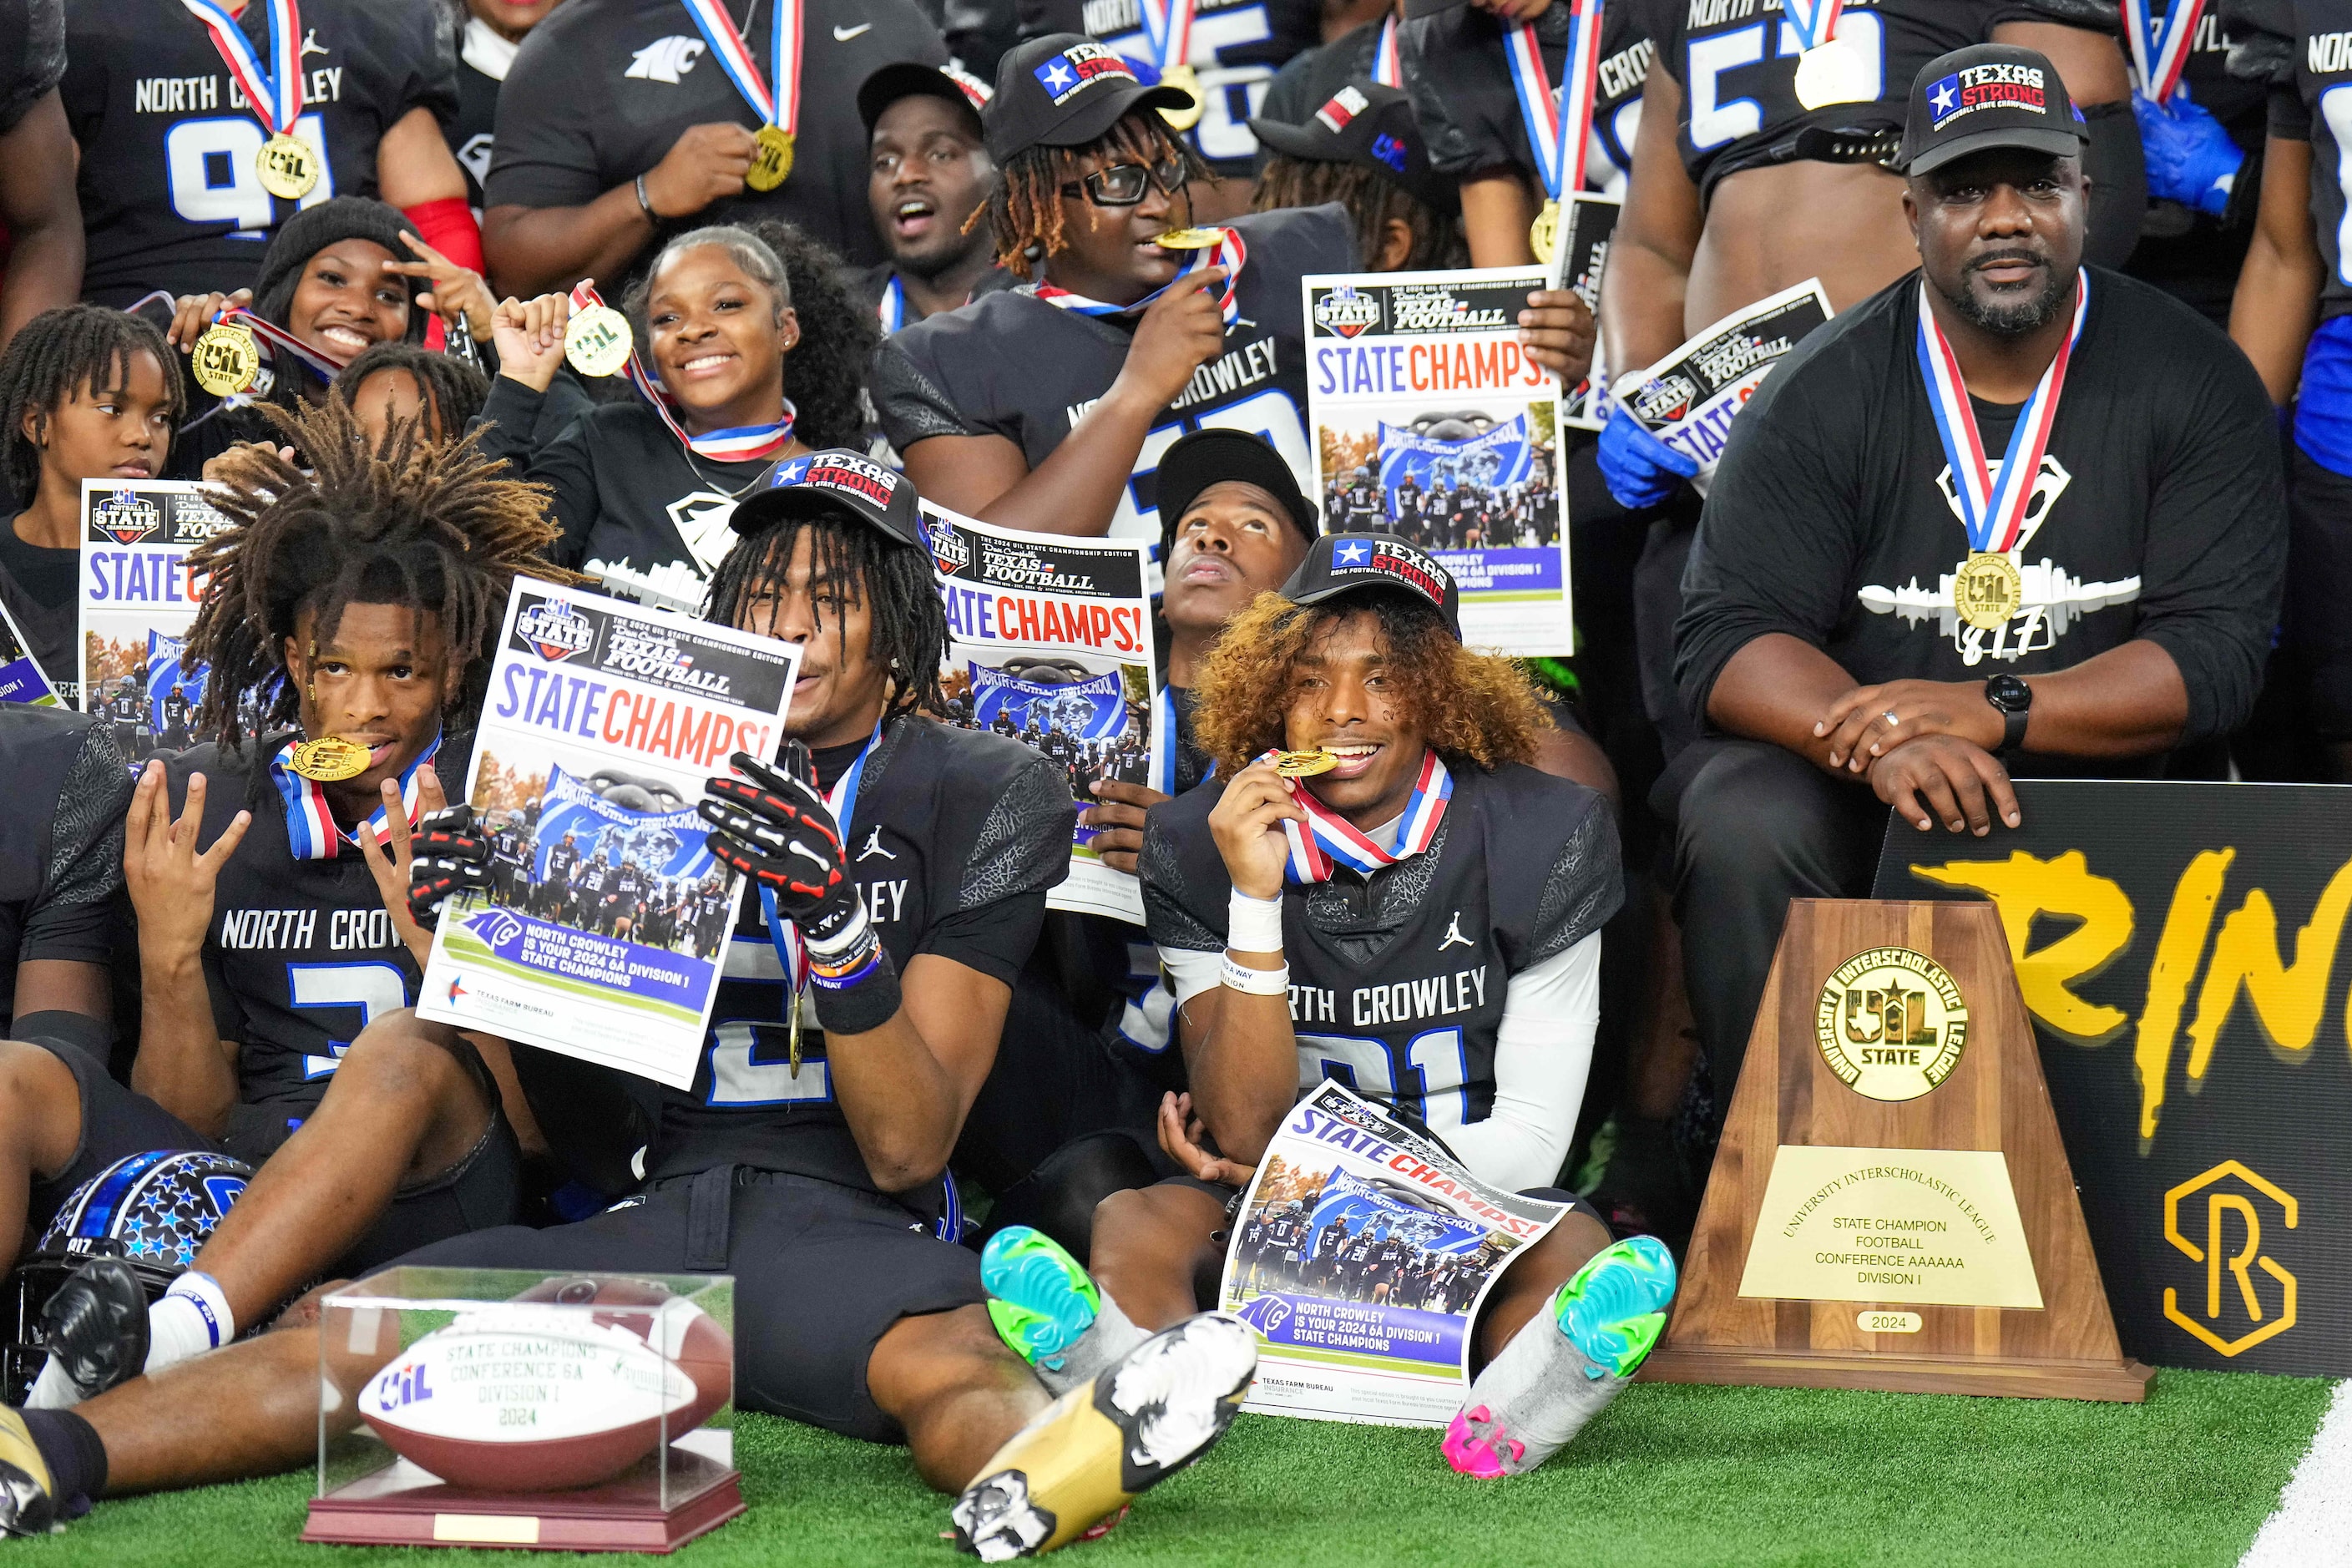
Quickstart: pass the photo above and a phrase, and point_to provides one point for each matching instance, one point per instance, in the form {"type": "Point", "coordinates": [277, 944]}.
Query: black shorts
{"type": "Point", "coordinates": [821, 1273]}
{"type": "Point", "coordinates": [481, 1189]}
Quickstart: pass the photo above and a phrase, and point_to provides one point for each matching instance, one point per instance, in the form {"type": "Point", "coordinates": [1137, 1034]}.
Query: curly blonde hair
{"type": "Point", "coordinates": [1477, 706]}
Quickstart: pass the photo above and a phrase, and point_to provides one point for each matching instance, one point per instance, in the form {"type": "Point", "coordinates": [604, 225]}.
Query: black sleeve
{"type": "Point", "coordinates": [1023, 850]}
{"type": "Point", "coordinates": [75, 916]}
{"type": "Point", "coordinates": [1437, 59]}
{"type": "Point", "coordinates": [421, 62]}
{"type": "Point", "coordinates": [2216, 543]}
{"type": "Point", "coordinates": [2116, 167]}
{"type": "Point", "coordinates": [542, 152]}
{"type": "Point", "coordinates": [33, 52]}
{"type": "Point", "coordinates": [520, 426]}
{"type": "Point", "coordinates": [913, 406]}
{"type": "Point", "coordinates": [2262, 43]}
{"type": "Point", "coordinates": [1176, 892]}
{"type": "Point", "coordinates": [1584, 888]}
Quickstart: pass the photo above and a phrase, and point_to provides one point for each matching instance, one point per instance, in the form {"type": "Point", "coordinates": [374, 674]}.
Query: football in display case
{"type": "Point", "coordinates": [512, 1408]}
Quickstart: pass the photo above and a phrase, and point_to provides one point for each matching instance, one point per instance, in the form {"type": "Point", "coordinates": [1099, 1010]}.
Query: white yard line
{"type": "Point", "coordinates": [2312, 1526]}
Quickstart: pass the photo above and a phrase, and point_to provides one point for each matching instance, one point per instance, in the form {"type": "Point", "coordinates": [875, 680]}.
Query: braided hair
{"type": "Point", "coordinates": [1371, 198]}
{"type": "Point", "coordinates": [455, 389]}
{"type": "Point", "coordinates": [59, 354]}
{"type": "Point", "coordinates": [893, 581]}
{"type": "Point", "coordinates": [418, 523]}
{"type": "Point", "coordinates": [1024, 210]}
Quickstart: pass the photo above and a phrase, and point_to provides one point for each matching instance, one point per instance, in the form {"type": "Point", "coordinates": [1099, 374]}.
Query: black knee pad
{"type": "Point", "coordinates": [1059, 1196]}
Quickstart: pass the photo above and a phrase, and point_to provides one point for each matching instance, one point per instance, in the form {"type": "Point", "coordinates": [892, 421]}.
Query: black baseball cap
{"type": "Point", "coordinates": [1986, 96]}
{"type": "Point", "coordinates": [1353, 562]}
{"type": "Point", "coordinates": [834, 484]}
{"type": "Point", "coordinates": [904, 78]}
{"type": "Point", "coordinates": [1065, 90]}
{"type": "Point", "coordinates": [1206, 458]}
{"type": "Point", "coordinates": [1365, 123]}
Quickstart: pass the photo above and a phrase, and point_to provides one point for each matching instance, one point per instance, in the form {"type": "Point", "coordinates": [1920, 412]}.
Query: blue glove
{"type": "Point", "coordinates": [1639, 469]}
{"type": "Point", "coordinates": [2191, 159]}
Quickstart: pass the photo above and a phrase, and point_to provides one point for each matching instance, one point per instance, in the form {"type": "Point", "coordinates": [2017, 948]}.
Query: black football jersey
{"type": "Point", "coordinates": [32, 55]}
{"type": "Point", "coordinates": [1010, 365]}
{"type": "Point", "coordinates": [603, 89]}
{"type": "Point", "coordinates": [1457, 66]}
{"type": "Point", "coordinates": [971, 830]}
{"type": "Point", "coordinates": [2322, 42]}
{"type": "Point", "coordinates": [301, 955]}
{"type": "Point", "coordinates": [1397, 981]}
{"type": "Point", "coordinates": [1236, 46]}
{"type": "Point", "coordinates": [62, 848]}
{"type": "Point", "coordinates": [170, 196]}
{"type": "Point", "coordinates": [1737, 63]}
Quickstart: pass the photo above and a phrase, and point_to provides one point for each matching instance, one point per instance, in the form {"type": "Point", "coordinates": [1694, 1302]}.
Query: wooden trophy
{"type": "Point", "coordinates": [1891, 1207]}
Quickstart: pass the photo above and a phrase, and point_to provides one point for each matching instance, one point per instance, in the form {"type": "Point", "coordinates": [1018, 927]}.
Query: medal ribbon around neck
{"type": "Point", "coordinates": [1166, 781]}
{"type": "Point", "coordinates": [892, 308]}
{"type": "Point", "coordinates": [2159, 48]}
{"type": "Point", "coordinates": [1230, 253]}
{"type": "Point", "coordinates": [1168, 28]}
{"type": "Point", "coordinates": [310, 823]}
{"type": "Point", "coordinates": [784, 936]}
{"type": "Point", "coordinates": [275, 95]}
{"type": "Point", "coordinates": [1559, 131]}
{"type": "Point", "coordinates": [1993, 504]}
{"type": "Point", "coordinates": [780, 108]}
{"type": "Point", "coordinates": [1813, 21]}
{"type": "Point", "coordinates": [278, 338]}
{"type": "Point", "coordinates": [1388, 70]}
{"type": "Point", "coordinates": [1329, 839]}
{"type": "Point", "coordinates": [737, 443]}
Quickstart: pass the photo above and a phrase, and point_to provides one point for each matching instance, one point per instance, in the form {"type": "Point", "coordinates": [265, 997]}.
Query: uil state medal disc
{"type": "Point", "coordinates": [288, 167]}
{"type": "Point", "coordinates": [1191, 238]}
{"type": "Point", "coordinates": [771, 161]}
{"type": "Point", "coordinates": [226, 360]}
{"type": "Point", "coordinates": [597, 341]}
{"type": "Point", "coordinates": [1305, 764]}
{"type": "Point", "coordinates": [1543, 234]}
{"type": "Point", "coordinates": [1987, 590]}
{"type": "Point", "coordinates": [329, 760]}
{"type": "Point", "coordinates": [1891, 1023]}
{"type": "Point", "coordinates": [1189, 81]}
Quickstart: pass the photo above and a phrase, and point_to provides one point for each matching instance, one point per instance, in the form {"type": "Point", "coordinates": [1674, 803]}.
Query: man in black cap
{"type": "Point", "coordinates": [930, 173]}
{"type": "Point", "coordinates": [1362, 149]}
{"type": "Point", "coordinates": [2011, 513]}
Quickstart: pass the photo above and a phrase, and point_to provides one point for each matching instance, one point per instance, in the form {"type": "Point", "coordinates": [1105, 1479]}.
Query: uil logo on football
{"type": "Point", "coordinates": [1346, 311]}
{"type": "Point", "coordinates": [554, 630]}
{"type": "Point", "coordinates": [1891, 1023]}
{"type": "Point", "coordinates": [125, 517]}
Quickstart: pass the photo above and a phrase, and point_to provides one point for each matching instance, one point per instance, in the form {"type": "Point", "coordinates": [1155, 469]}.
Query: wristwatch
{"type": "Point", "coordinates": [2013, 701]}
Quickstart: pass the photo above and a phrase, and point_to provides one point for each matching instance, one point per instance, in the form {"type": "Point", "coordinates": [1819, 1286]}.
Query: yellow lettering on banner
{"type": "Point", "coordinates": [2287, 998]}
{"type": "Point", "coordinates": [2025, 886]}
{"type": "Point", "coordinates": [2168, 974]}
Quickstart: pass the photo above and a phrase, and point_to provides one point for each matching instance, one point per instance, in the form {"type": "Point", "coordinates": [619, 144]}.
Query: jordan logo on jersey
{"type": "Point", "coordinates": [1454, 936]}
{"type": "Point", "coordinates": [874, 848]}
{"type": "Point", "coordinates": [666, 59]}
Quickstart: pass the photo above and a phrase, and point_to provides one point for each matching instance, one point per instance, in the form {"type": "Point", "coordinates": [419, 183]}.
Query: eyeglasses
{"type": "Point", "coordinates": [1124, 184]}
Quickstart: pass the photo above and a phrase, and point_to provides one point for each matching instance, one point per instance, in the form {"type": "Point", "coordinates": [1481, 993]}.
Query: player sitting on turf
{"type": "Point", "coordinates": [1430, 842]}
{"type": "Point", "coordinates": [362, 598]}
{"type": "Point", "coordinates": [817, 1185]}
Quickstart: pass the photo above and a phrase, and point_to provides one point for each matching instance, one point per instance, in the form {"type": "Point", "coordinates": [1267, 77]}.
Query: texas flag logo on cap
{"type": "Point", "coordinates": [1392, 558]}
{"type": "Point", "coordinates": [1344, 105]}
{"type": "Point", "coordinates": [1997, 86]}
{"type": "Point", "coordinates": [1075, 69]}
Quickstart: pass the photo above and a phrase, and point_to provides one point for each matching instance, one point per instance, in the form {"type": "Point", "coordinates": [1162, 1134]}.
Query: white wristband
{"type": "Point", "coordinates": [1254, 925]}
{"type": "Point", "coordinates": [1254, 982]}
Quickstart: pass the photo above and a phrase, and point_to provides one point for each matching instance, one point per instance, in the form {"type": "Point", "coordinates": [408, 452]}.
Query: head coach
{"type": "Point", "coordinates": [2009, 514]}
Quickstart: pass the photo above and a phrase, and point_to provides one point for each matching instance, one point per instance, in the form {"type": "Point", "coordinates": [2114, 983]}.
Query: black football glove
{"type": "Point", "coordinates": [777, 830]}
{"type": "Point", "coordinates": [448, 853]}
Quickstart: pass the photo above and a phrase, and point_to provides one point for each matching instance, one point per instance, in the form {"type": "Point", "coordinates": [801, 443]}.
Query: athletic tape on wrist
{"type": "Point", "coordinates": [1256, 982]}
{"type": "Point", "coordinates": [852, 1006]}
{"type": "Point", "coordinates": [1254, 925]}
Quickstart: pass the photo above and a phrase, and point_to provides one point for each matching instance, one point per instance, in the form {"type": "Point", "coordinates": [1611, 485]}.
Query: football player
{"type": "Point", "coordinates": [172, 180]}
{"type": "Point", "coordinates": [37, 209]}
{"type": "Point", "coordinates": [363, 596]}
{"type": "Point", "coordinates": [1430, 822]}
{"type": "Point", "coordinates": [94, 394]}
{"type": "Point", "coordinates": [929, 172]}
{"type": "Point", "coordinates": [781, 1172]}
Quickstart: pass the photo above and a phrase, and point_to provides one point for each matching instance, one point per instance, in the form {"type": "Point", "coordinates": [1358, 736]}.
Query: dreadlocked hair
{"type": "Point", "coordinates": [59, 354]}
{"type": "Point", "coordinates": [427, 524]}
{"type": "Point", "coordinates": [1473, 705]}
{"type": "Point", "coordinates": [453, 389]}
{"type": "Point", "coordinates": [1371, 198]}
{"type": "Point", "coordinates": [893, 581]}
{"type": "Point", "coordinates": [1025, 211]}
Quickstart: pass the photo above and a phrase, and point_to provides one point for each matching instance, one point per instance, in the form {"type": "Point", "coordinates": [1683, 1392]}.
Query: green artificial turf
{"type": "Point", "coordinates": [1678, 1477]}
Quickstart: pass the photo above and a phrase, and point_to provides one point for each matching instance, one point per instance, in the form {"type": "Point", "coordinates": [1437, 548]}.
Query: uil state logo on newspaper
{"type": "Point", "coordinates": [1891, 1023]}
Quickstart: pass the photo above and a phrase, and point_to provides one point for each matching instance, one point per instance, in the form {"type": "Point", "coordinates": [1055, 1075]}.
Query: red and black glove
{"type": "Point", "coordinates": [447, 853]}
{"type": "Point", "coordinates": [777, 830]}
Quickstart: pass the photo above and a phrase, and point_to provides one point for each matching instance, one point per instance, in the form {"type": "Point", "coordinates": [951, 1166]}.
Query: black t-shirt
{"type": "Point", "coordinates": [604, 87]}
{"type": "Point", "coordinates": [1010, 365]}
{"type": "Point", "coordinates": [37, 584]}
{"type": "Point", "coordinates": [169, 194]}
{"type": "Point", "coordinates": [61, 848]}
{"type": "Point", "coordinates": [1460, 76]}
{"type": "Point", "coordinates": [2322, 38]}
{"type": "Point", "coordinates": [1737, 63]}
{"type": "Point", "coordinates": [2160, 515]}
{"type": "Point", "coordinates": [1397, 980]}
{"type": "Point", "coordinates": [973, 831]}
{"type": "Point", "coordinates": [32, 55]}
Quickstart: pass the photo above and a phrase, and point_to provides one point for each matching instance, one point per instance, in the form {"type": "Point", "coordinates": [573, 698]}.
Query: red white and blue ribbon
{"type": "Point", "coordinates": [1813, 21]}
{"type": "Point", "coordinates": [1165, 782]}
{"type": "Point", "coordinates": [1167, 29]}
{"type": "Point", "coordinates": [736, 444]}
{"type": "Point", "coordinates": [892, 308]}
{"type": "Point", "coordinates": [2159, 46]}
{"type": "Point", "coordinates": [1388, 70]}
{"type": "Point", "coordinates": [327, 365]}
{"type": "Point", "coordinates": [1230, 253]}
{"type": "Point", "coordinates": [1560, 130]}
{"type": "Point", "coordinates": [782, 935]}
{"type": "Point", "coordinates": [275, 94]}
{"type": "Point", "coordinates": [1329, 839]}
{"type": "Point", "coordinates": [1993, 503]}
{"type": "Point", "coordinates": [780, 108]}
{"type": "Point", "coordinates": [310, 823]}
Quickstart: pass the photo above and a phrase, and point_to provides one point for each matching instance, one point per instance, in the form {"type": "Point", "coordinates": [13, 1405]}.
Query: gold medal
{"type": "Point", "coordinates": [288, 167]}
{"type": "Point", "coordinates": [597, 341]}
{"type": "Point", "coordinates": [1987, 590]}
{"type": "Point", "coordinates": [329, 760]}
{"type": "Point", "coordinates": [1544, 233]}
{"type": "Point", "coordinates": [226, 360]}
{"type": "Point", "coordinates": [771, 159]}
{"type": "Point", "coordinates": [1186, 79]}
{"type": "Point", "coordinates": [1305, 764]}
{"type": "Point", "coordinates": [1835, 72]}
{"type": "Point", "coordinates": [793, 1035]}
{"type": "Point", "coordinates": [1191, 238]}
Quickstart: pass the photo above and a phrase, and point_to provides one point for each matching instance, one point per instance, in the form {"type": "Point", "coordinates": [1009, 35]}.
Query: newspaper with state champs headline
{"type": "Point", "coordinates": [1689, 398]}
{"type": "Point", "coordinates": [138, 600]}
